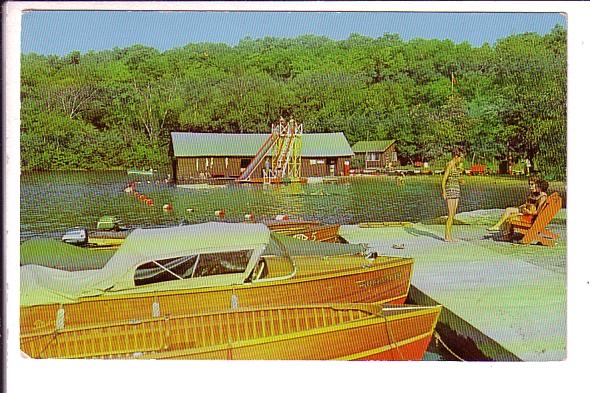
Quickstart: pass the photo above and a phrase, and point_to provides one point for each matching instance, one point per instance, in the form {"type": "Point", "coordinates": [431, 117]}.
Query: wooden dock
{"type": "Point", "coordinates": [502, 301]}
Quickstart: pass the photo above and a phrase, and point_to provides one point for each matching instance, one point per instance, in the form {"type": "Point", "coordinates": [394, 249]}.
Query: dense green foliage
{"type": "Point", "coordinates": [117, 108]}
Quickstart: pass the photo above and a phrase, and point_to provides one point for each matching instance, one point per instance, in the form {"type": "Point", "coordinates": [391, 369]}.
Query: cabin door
{"type": "Point", "coordinates": [331, 163]}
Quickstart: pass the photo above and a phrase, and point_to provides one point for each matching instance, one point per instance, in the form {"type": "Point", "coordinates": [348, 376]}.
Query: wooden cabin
{"type": "Point", "coordinates": [213, 155]}
{"type": "Point", "coordinates": [376, 154]}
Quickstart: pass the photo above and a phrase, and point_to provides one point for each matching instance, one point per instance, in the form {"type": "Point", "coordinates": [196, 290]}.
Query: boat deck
{"type": "Point", "coordinates": [502, 300]}
{"type": "Point", "coordinates": [314, 266]}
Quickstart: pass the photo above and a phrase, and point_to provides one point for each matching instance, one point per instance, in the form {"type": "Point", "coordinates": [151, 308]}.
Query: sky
{"type": "Point", "coordinates": [61, 32]}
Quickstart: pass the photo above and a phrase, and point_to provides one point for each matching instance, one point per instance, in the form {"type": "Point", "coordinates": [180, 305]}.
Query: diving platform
{"type": "Point", "coordinates": [284, 165]}
{"type": "Point", "coordinates": [502, 301]}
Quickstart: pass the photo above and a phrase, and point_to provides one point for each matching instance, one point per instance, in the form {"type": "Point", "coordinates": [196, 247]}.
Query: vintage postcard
{"type": "Point", "coordinates": [221, 181]}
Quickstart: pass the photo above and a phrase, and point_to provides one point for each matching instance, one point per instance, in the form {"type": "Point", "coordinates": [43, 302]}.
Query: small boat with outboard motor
{"type": "Point", "coordinates": [109, 232]}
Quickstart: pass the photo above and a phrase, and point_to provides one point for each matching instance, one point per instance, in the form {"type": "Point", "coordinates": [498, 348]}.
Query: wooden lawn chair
{"type": "Point", "coordinates": [536, 232]}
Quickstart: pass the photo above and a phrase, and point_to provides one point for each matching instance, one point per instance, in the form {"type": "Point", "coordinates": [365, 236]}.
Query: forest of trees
{"type": "Point", "coordinates": [116, 108]}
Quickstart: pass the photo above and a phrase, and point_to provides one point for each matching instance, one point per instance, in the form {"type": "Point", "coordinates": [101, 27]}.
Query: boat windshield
{"type": "Point", "coordinates": [278, 260]}
{"type": "Point", "coordinates": [192, 266]}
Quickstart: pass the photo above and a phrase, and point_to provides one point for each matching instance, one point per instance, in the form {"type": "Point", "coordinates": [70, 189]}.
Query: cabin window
{"type": "Point", "coordinates": [192, 266]}
{"type": "Point", "coordinates": [373, 157]}
{"type": "Point", "coordinates": [244, 162]}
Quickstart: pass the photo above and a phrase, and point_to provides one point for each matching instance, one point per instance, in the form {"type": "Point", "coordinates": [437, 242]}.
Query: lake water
{"type": "Point", "coordinates": [53, 202]}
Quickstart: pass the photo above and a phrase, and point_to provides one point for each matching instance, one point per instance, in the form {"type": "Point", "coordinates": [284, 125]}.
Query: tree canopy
{"type": "Point", "coordinates": [116, 108]}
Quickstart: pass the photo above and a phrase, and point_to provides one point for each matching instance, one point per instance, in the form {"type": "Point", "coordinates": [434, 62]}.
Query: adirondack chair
{"type": "Point", "coordinates": [535, 232]}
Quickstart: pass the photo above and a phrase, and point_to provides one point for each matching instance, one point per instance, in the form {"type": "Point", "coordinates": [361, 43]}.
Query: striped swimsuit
{"type": "Point", "coordinates": [452, 187]}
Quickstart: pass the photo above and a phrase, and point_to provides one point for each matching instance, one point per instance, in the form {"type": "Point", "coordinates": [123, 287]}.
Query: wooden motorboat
{"type": "Point", "coordinates": [202, 268]}
{"type": "Point", "coordinates": [110, 232]}
{"type": "Point", "coordinates": [309, 332]}
{"type": "Point", "coordinates": [307, 230]}
{"type": "Point", "coordinates": [304, 230]}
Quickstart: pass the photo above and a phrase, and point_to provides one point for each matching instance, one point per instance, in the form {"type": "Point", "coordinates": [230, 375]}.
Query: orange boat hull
{"type": "Point", "coordinates": [385, 283]}
{"type": "Point", "coordinates": [320, 332]}
{"type": "Point", "coordinates": [307, 230]}
{"type": "Point", "coordinates": [411, 351]}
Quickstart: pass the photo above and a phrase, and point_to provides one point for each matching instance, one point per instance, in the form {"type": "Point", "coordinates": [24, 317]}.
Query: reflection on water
{"type": "Point", "coordinates": [53, 202]}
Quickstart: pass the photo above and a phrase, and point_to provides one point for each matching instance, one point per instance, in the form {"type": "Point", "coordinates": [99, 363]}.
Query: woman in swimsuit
{"type": "Point", "coordinates": [528, 210]}
{"type": "Point", "coordinates": [451, 189]}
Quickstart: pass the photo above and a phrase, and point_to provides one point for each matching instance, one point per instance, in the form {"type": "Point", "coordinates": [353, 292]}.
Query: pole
{"type": "Point", "coordinates": [367, 153]}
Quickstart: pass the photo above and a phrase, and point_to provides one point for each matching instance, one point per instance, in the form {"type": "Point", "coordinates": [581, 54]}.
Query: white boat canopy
{"type": "Point", "coordinates": [42, 285]}
{"type": "Point", "coordinates": [159, 243]}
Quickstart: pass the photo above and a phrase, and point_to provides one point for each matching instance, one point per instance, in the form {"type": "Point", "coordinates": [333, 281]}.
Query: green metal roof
{"type": "Point", "coordinates": [371, 146]}
{"type": "Point", "coordinates": [187, 144]}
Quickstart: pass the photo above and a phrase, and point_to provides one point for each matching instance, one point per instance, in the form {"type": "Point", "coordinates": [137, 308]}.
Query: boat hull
{"type": "Point", "coordinates": [314, 332]}
{"type": "Point", "coordinates": [308, 230]}
{"type": "Point", "coordinates": [107, 240]}
{"type": "Point", "coordinates": [382, 283]}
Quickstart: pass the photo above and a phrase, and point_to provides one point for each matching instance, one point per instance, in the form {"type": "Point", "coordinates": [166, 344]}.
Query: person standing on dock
{"type": "Point", "coordinates": [527, 166]}
{"type": "Point", "coordinates": [451, 189]}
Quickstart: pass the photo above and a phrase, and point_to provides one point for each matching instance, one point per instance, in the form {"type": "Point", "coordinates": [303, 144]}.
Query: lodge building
{"type": "Point", "coordinates": [215, 155]}
{"type": "Point", "coordinates": [376, 154]}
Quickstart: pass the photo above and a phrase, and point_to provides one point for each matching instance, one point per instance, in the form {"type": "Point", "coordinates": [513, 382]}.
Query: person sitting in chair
{"type": "Point", "coordinates": [528, 210]}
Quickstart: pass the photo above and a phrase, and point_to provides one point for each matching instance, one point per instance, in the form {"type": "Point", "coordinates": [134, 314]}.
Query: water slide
{"type": "Point", "coordinates": [266, 146]}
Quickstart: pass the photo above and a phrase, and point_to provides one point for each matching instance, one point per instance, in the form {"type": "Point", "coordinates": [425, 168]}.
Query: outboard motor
{"type": "Point", "coordinates": [77, 236]}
